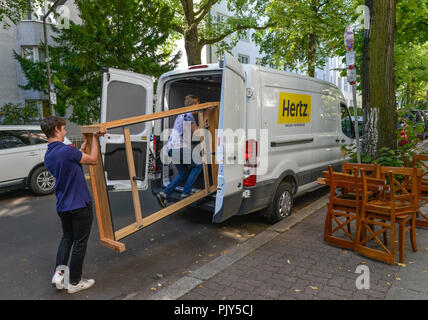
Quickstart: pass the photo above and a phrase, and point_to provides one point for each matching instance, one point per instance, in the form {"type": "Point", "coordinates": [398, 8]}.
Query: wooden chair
{"type": "Point", "coordinates": [396, 205]}
{"type": "Point", "coordinates": [340, 207]}
{"type": "Point", "coordinates": [418, 161]}
{"type": "Point", "coordinates": [371, 170]}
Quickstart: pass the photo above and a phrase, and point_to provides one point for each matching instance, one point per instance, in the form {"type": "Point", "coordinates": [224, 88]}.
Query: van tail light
{"type": "Point", "coordinates": [250, 166]}
{"type": "Point", "coordinates": [198, 67]}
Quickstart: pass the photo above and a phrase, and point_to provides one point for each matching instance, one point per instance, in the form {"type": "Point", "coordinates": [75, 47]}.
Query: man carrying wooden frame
{"type": "Point", "coordinates": [109, 237]}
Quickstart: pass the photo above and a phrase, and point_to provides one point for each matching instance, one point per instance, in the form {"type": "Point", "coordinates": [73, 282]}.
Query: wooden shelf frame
{"type": "Point", "coordinates": [208, 116]}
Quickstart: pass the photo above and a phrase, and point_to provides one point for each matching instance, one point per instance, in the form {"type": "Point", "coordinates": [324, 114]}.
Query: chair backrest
{"type": "Point", "coordinates": [397, 180]}
{"type": "Point", "coordinates": [352, 182]}
{"type": "Point", "coordinates": [371, 170]}
{"type": "Point", "coordinates": [419, 161]}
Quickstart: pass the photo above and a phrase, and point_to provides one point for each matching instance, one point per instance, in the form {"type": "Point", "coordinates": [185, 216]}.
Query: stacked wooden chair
{"type": "Point", "coordinates": [344, 204]}
{"type": "Point", "coordinates": [342, 210]}
{"type": "Point", "coordinates": [418, 160]}
{"type": "Point", "coordinates": [396, 205]}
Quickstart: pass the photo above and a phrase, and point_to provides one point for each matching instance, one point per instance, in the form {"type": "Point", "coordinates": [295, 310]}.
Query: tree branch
{"type": "Point", "coordinates": [203, 11]}
{"type": "Point", "coordinates": [237, 28]}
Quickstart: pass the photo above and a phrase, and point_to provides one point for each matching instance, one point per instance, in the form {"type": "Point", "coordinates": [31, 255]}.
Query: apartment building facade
{"type": "Point", "coordinates": [25, 39]}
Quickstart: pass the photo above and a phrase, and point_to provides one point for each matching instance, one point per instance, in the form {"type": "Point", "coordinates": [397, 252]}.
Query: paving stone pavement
{"type": "Point", "coordinates": [298, 264]}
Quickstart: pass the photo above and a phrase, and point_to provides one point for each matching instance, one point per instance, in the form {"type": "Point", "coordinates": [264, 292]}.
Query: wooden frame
{"type": "Point", "coordinates": [208, 119]}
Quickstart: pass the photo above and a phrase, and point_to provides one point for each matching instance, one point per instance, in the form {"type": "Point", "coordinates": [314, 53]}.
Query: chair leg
{"type": "Point", "coordinates": [348, 224]}
{"type": "Point", "coordinates": [413, 233]}
{"type": "Point", "coordinates": [401, 232]}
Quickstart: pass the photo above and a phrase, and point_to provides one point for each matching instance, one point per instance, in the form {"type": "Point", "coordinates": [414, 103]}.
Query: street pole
{"type": "Point", "coordinates": [357, 131]}
{"type": "Point", "coordinates": [352, 79]}
{"type": "Point", "coordinates": [48, 66]}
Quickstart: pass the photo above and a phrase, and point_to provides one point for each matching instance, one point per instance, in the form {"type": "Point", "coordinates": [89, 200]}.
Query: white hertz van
{"type": "Point", "coordinates": [294, 126]}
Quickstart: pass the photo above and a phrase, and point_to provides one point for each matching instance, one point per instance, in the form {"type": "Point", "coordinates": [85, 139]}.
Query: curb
{"type": "Point", "coordinates": [187, 283]}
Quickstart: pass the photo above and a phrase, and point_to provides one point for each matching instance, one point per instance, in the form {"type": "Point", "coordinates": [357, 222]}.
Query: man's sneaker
{"type": "Point", "coordinates": [58, 280]}
{"type": "Point", "coordinates": [82, 285]}
{"type": "Point", "coordinates": [184, 195]}
{"type": "Point", "coordinates": [161, 197]}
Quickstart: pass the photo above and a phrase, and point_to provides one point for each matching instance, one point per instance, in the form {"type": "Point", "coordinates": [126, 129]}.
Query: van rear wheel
{"type": "Point", "coordinates": [282, 204]}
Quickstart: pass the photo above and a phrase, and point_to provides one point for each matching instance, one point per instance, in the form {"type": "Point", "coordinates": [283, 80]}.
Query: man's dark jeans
{"type": "Point", "coordinates": [76, 226]}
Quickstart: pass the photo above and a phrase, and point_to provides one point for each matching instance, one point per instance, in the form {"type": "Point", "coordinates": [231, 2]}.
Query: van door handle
{"type": "Point", "coordinates": [32, 154]}
{"type": "Point", "coordinates": [343, 140]}
{"type": "Point", "coordinates": [337, 140]}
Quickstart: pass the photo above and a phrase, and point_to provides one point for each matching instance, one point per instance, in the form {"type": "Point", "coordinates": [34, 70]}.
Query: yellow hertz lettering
{"type": "Point", "coordinates": [294, 108]}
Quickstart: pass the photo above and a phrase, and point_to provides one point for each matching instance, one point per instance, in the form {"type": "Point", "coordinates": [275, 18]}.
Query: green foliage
{"type": "Point", "coordinates": [407, 144]}
{"type": "Point", "coordinates": [15, 114]}
{"type": "Point", "coordinates": [193, 20]}
{"type": "Point", "coordinates": [11, 11]}
{"type": "Point", "coordinates": [287, 44]}
{"type": "Point", "coordinates": [128, 35]}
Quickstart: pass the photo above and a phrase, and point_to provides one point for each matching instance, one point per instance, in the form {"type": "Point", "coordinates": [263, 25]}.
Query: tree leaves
{"type": "Point", "coordinates": [130, 35]}
{"type": "Point", "coordinates": [288, 44]}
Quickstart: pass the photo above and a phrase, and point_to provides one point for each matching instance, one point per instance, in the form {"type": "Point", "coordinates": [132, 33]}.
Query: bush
{"type": "Point", "coordinates": [407, 141]}
{"type": "Point", "coordinates": [15, 114]}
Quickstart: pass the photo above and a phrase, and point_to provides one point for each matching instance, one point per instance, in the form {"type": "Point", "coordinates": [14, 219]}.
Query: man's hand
{"type": "Point", "coordinates": [99, 134]}
{"type": "Point", "coordinates": [83, 147]}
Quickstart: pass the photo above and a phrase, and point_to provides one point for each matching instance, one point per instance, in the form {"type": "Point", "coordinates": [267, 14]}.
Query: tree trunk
{"type": "Point", "coordinates": [378, 78]}
{"type": "Point", "coordinates": [192, 46]}
{"type": "Point", "coordinates": [311, 55]}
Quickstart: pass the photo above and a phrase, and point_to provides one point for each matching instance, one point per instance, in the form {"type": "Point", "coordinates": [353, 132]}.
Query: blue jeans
{"type": "Point", "coordinates": [189, 171]}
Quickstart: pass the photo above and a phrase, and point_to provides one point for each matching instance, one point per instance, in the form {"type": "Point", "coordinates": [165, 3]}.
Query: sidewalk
{"type": "Point", "coordinates": [290, 260]}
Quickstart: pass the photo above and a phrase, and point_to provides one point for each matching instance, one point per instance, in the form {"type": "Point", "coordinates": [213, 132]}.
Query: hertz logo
{"type": "Point", "coordinates": [294, 108]}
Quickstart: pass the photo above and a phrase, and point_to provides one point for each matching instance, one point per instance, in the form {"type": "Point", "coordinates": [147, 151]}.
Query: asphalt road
{"type": "Point", "coordinates": [155, 256]}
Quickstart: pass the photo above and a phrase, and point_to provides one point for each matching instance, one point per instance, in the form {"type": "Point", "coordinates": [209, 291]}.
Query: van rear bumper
{"type": "Point", "coordinates": [259, 197]}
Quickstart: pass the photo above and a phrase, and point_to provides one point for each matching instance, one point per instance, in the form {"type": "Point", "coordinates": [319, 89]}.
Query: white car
{"type": "Point", "coordinates": [22, 152]}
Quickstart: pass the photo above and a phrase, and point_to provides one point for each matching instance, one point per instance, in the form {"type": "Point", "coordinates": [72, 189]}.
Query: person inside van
{"type": "Point", "coordinates": [180, 149]}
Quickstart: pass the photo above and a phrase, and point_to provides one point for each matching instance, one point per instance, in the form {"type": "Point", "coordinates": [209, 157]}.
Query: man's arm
{"type": "Point", "coordinates": [91, 158]}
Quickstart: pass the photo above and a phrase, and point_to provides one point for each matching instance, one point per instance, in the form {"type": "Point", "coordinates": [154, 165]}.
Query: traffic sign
{"type": "Point", "coordinates": [52, 96]}
{"type": "Point", "coordinates": [350, 58]}
{"type": "Point", "coordinates": [349, 38]}
{"type": "Point", "coordinates": [352, 75]}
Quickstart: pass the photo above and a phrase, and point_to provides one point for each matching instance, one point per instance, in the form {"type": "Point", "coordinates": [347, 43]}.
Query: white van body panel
{"type": "Point", "coordinates": [126, 94]}
{"type": "Point", "coordinates": [257, 99]}
{"type": "Point", "coordinates": [230, 153]}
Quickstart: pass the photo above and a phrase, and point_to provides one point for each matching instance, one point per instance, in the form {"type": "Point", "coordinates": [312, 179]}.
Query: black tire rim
{"type": "Point", "coordinates": [45, 181]}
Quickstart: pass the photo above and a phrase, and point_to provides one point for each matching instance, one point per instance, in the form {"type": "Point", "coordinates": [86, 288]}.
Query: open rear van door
{"type": "Point", "coordinates": [126, 94]}
{"type": "Point", "coordinates": [230, 153]}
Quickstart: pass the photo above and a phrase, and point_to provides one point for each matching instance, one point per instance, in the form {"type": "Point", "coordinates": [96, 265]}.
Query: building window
{"type": "Point", "coordinates": [243, 59]}
{"type": "Point", "coordinates": [221, 19]}
{"type": "Point", "coordinates": [41, 105]}
{"type": "Point", "coordinates": [39, 11]}
{"type": "Point", "coordinates": [259, 61]}
{"type": "Point", "coordinates": [33, 53]}
{"type": "Point", "coordinates": [246, 36]}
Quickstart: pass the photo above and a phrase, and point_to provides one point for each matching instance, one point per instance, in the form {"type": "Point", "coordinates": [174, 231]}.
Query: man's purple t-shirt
{"type": "Point", "coordinates": [71, 190]}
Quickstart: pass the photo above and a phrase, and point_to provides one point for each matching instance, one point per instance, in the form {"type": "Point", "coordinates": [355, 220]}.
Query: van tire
{"type": "Point", "coordinates": [282, 204]}
{"type": "Point", "coordinates": [41, 181]}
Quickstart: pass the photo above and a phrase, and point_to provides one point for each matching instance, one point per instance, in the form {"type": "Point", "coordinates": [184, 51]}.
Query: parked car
{"type": "Point", "coordinates": [22, 152]}
{"type": "Point", "coordinates": [418, 116]}
{"type": "Point", "coordinates": [302, 116]}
